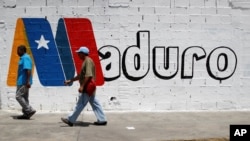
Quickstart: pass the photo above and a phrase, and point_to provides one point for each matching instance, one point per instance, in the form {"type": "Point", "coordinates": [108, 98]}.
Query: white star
{"type": "Point", "coordinates": [42, 43]}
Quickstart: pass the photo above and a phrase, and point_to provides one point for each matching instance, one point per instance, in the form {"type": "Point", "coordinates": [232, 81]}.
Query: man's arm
{"type": "Point", "coordinates": [28, 74]}
{"type": "Point", "coordinates": [85, 81]}
{"type": "Point", "coordinates": [67, 82]}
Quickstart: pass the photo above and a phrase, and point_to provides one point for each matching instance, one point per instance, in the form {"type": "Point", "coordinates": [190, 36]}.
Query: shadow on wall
{"type": "Point", "coordinates": [239, 4]}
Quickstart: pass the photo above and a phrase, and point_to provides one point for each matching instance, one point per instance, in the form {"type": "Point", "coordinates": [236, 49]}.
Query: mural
{"type": "Point", "coordinates": [55, 58]}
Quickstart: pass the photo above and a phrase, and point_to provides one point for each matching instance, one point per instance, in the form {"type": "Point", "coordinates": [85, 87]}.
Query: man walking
{"type": "Point", "coordinates": [24, 82]}
{"type": "Point", "coordinates": [86, 75]}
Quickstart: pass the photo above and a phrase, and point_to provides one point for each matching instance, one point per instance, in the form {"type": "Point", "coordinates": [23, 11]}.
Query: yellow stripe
{"type": "Point", "coordinates": [20, 38]}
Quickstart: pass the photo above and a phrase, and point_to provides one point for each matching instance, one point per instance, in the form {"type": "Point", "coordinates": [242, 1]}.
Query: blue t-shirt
{"type": "Point", "coordinates": [24, 63]}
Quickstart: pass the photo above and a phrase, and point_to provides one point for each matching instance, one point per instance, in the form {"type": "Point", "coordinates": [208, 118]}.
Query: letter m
{"type": "Point", "coordinates": [54, 58]}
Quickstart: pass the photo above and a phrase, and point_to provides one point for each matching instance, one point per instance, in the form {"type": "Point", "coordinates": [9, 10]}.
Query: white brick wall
{"type": "Point", "coordinates": [180, 23]}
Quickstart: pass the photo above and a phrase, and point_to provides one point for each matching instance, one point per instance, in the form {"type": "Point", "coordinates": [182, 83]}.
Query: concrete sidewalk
{"type": "Point", "coordinates": [122, 126]}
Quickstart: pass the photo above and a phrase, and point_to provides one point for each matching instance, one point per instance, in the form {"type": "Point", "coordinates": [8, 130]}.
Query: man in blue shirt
{"type": "Point", "coordinates": [24, 82]}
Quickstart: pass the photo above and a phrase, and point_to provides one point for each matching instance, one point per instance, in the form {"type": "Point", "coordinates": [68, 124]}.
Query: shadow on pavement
{"type": "Point", "coordinates": [78, 123]}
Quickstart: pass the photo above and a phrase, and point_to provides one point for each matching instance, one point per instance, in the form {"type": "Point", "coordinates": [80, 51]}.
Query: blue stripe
{"type": "Point", "coordinates": [47, 61]}
{"type": "Point", "coordinates": [64, 50]}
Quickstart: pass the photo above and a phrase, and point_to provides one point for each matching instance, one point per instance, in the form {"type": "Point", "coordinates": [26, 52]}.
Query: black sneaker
{"type": "Point", "coordinates": [22, 117]}
{"type": "Point", "coordinates": [31, 113]}
{"type": "Point", "coordinates": [67, 121]}
{"type": "Point", "coordinates": [100, 123]}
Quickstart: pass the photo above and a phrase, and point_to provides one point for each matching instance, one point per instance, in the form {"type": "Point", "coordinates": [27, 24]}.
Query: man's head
{"type": "Point", "coordinates": [83, 52]}
{"type": "Point", "coordinates": [21, 50]}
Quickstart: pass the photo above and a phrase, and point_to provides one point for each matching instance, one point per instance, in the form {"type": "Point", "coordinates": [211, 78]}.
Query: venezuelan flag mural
{"type": "Point", "coordinates": [54, 58]}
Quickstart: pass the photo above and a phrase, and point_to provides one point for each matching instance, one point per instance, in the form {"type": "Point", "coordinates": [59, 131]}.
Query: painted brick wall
{"type": "Point", "coordinates": [208, 44]}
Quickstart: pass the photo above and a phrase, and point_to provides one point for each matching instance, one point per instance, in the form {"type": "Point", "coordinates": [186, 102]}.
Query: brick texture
{"type": "Point", "coordinates": [135, 81]}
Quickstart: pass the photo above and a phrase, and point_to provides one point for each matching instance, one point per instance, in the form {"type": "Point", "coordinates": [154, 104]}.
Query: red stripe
{"type": "Point", "coordinates": [80, 33]}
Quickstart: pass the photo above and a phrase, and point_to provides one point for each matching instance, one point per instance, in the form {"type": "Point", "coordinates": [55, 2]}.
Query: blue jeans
{"type": "Point", "coordinates": [84, 98]}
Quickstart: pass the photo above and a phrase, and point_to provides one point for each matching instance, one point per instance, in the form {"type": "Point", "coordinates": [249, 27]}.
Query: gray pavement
{"type": "Point", "coordinates": [122, 126]}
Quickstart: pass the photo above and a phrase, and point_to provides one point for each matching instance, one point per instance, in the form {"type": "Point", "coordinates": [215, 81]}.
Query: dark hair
{"type": "Point", "coordinates": [84, 53]}
{"type": "Point", "coordinates": [22, 48]}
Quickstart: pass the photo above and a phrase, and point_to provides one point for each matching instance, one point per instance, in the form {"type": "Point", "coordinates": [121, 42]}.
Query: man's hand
{"type": "Point", "coordinates": [28, 85]}
{"type": "Point", "coordinates": [80, 90]}
{"type": "Point", "coordinates": [67, 82]}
